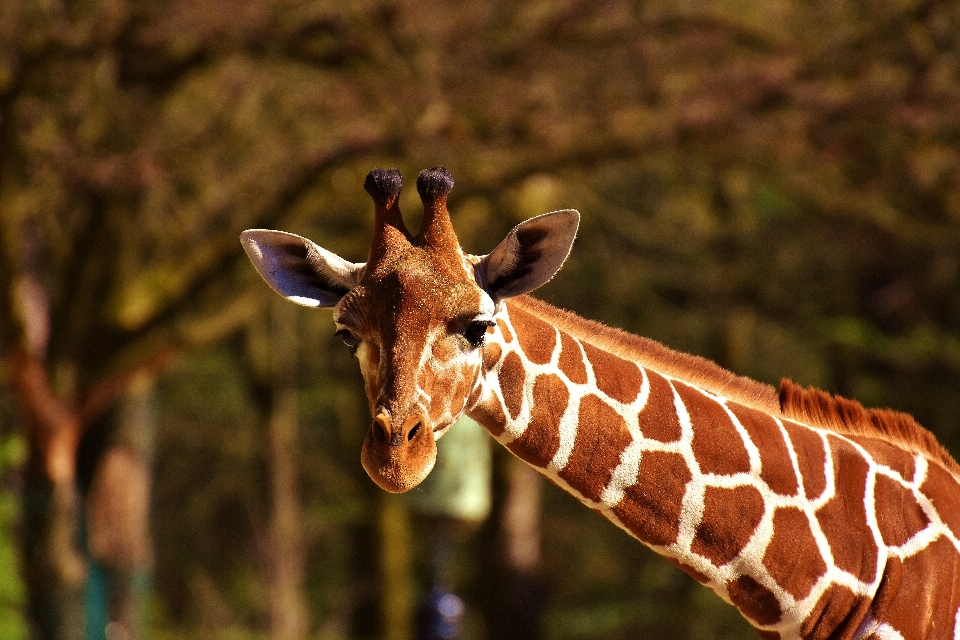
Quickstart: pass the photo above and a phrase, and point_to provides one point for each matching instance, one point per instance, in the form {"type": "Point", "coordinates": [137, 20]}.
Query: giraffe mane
{"type": "Point", "coordinates": [849, 417]}
{"type": "Point", "coordinates": [700, 372]}
{"type": "Point", "coordinates": [808, 406]}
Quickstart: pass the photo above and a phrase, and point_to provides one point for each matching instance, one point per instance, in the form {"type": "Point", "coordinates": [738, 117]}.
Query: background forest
{"type": "Point", "coordinates": [774, 185]}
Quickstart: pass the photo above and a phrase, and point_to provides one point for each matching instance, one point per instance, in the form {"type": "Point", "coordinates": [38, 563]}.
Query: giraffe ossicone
{"type": "Point", "coordinates": [817, 518]}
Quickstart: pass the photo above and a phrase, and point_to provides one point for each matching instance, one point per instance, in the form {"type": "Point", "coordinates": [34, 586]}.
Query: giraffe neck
{"type": "Point", "coordinates": [778, 518]}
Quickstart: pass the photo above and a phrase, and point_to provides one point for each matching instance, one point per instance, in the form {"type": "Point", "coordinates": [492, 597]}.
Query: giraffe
{"type": "Point", "coordinates": [815, 517]}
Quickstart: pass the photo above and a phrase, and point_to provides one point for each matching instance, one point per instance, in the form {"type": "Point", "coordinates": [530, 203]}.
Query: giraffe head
{"type": "Point", "coordinates": [415, 314]}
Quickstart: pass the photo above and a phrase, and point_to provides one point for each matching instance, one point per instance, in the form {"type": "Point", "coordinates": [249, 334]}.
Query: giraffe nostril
{"type": "Point", "coordinates": [381, 429]}
{"type": "Point", "coordinates": [413, 432]}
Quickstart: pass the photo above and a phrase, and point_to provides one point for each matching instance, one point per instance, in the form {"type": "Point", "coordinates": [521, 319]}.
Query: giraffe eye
{"type": "Point", "coordinates": [476, 331]}
{"type": "Point", "coordinates": [349, 339]}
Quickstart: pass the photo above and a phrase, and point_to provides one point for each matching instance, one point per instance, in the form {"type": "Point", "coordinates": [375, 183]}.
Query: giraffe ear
{"type": "Point", "coordinates": [298, 269]}
{"type": "Point", "coordinates": [529, 256]}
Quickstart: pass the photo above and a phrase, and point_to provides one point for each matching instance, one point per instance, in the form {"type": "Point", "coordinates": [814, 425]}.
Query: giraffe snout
{"type": "Point", "coordinates": [398, 453]}
{"type": "Point", "coordinates": [384, 431]}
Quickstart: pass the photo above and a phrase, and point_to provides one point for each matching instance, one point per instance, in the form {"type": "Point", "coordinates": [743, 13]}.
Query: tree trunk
{"type": "Point", "coordinates": [53, 568]}
{"type": "Point", "coordinates": [396, 569]}
{"type": "Point", "coordinates": [521, 531]}
{"type": "Point", "coordinates": [54, 572]}
{"type": "Point", "coordinates": [118, 520]}
{"type": "Point", "coordinates": [288, 611]}
{"type": "Point", "coordinates": [512, 558]}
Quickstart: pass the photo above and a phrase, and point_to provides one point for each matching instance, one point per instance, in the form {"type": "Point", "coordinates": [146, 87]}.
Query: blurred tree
{"type": "Point", "coordinates": [775, 185]}
{"type": "Point", "coordinates": [273, 360]}
{"type": "Point", "coordinates": [117, 514]}
{"type": "Point", "coordinates": [138, 138]}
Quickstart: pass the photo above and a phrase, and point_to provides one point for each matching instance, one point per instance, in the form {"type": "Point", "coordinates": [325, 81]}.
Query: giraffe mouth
{"type": "Point", "coordinates": [442, 429]}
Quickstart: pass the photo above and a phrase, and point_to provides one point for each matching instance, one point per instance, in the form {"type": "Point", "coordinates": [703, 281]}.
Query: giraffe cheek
{"type": "Point", "coordinates": [459, 388]}
{"type": "Point", "coordinates": [369, 359]}
{"type": "Point", "coordinates": [448, 389]}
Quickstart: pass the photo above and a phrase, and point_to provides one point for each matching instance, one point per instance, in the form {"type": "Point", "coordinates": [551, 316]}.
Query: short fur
{"type": "Point", "coordinates": [692, 369]}
{"type": "Point", "coordinates": [845, 416]}
{"type": "Point", "coordinates": [809, 406]}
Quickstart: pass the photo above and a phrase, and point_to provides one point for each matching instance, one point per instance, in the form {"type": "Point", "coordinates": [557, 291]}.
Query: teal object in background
{"type": "Point", "coordinates": [96, 597]}
{"type": "Point", "coordinates": [459, 485]}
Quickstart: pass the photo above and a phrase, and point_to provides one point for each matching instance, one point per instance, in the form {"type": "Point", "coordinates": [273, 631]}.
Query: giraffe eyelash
{"type": "Point", "coordinates": [352, 341]}
{"type": "Point", "coordinates": [476, 331]}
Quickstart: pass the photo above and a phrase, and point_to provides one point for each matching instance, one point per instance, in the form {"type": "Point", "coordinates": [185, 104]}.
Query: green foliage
{"type": "Point", "coordinates": [13, 626]}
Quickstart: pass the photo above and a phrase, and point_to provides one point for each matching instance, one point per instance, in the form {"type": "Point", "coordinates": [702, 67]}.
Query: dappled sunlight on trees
{"type": "Point", "coordinates": [774, 185]}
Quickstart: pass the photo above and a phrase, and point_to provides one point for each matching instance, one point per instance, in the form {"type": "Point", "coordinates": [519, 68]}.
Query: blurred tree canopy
{"type": "Point", "coordinates": [772, 185]}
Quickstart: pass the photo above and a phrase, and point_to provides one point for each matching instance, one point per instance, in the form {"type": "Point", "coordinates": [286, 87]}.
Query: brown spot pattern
{"type": "Point", "coordinates": [730, 517]}
{"type": "Point", "coordinates": [755, 601]}
{"type": "Point", "coordinates": [650, 509]}
{"type": "Point", "coordinates": [505, 331]}
{"type": "Point", "coordinates": [941, 487]}
{"type": "Point", "coordinates": [491, 355]}
{"type": "Point", "coordinates": [843, 519]}
{"type": "Point", "coordinates": [463, 388]}
{"type": "Point", "coordinates": [454, 386]}
{"type": "Point", "coordinates": [792, 557]}
{"type": "Point", "coordinates": [474, 396]}
{"type": "Point", "coordinates": [690, 571]}
{"type": "Point", "coordinates": [899, 515]}
{"type": "Point", "coordinates": [490, 416]}
{"type": "Point", "coordinates": [618, 378]}
{"type": "Point", "coordinates": [537, 338]}
{"type": "Point", "coordinates": [888, 455]}
{"type": "Point", "coordinates": [540, 441]}
{"type": "Point", "coordinates": [927, 593]}
{"type": "Point", "coordinates": [371, 365]}
{"type": "Point", "coordinates": [571, 360]}
{"type": "Point", "coordinates": [658, 420]}
{"type": "Point", "coordinates": [717, 444]}
{"type": "Point", "coordinates": [441, 388]}
{"type": "Point", "coordinates": [602, 435]}
{"type": "Point", "coordinates": [888, 589]}
{"type": "Point", "coordinates": [837, 614]}
{"type": "Point", "coordinates": [775, 467]}
{"type": "Point", "coordinates": [850, 418]}
{"type": "Point", "coordinates": [511, 383]}
{"type": "Point", "coordinates": [811, 458]}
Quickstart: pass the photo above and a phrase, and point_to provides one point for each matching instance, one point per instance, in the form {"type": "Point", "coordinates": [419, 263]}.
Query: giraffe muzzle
{"type": "Point", "coordinates": [383, 432]}
{"type": "Point", "coordinates": [398, 454]}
